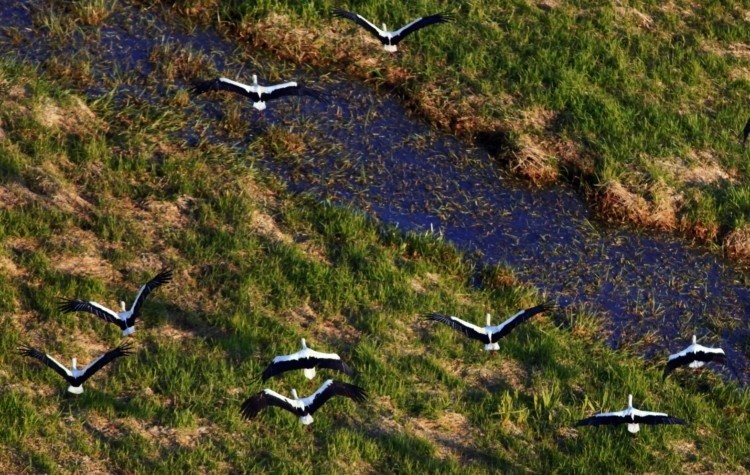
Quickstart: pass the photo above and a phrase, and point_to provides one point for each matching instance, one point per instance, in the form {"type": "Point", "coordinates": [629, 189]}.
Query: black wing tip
{"type": "Point", "coordinates": [445, 17]}
{"type": "Point", "coordinates": [677, 420]}
{"type": "Point", "coordinates": [340, 12]}
{"type": "Point", "coordinates": [436, 317]}
{"type": "Point", "coordinates": [347, 370]}
{"type": "Point", "coordinates": [589, 421]}
{"type": "Point", "coordinates": [265, 376]}
{"type": "Point", "coordinates": [314, 93]}
{"type": "Point", "coordinates": [252, 406]}
{"type": "Point", "coordinates": [25, 349]}
{"type": "Point", "coordinates": [125, 349]}
{"type": "Point", "coordinates": [66, 305]}
{"type": "Point", "coordinates": [549, 306]}
{"type": "Point", "coordinates": [356, 393]}
{"type": "Point", "coordinates": [164, 276]}
{"type": "Point", "coordinates": [199, 87]}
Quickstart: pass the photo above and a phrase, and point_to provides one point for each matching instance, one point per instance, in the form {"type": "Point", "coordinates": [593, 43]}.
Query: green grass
{"type": "Point", "coordinates": [90, 210]}
{"type": "Point", "coordinates": [241, 295]}
{"type": "Point", "coordinates": [649, 95]}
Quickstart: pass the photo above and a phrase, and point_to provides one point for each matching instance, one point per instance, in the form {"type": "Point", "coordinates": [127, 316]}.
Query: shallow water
{"type": "Point", "coordinates": [650, 289]}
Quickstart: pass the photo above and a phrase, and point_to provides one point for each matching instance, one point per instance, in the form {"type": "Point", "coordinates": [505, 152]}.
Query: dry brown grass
{"type": "Point", "coordinates": [449, 433]}
{"type": "Point", "coordinates": [76, 118]}
{"type": "Point", "coordinates": [616, 202]}
{"type": "Point", "coordinates": [737, 244]}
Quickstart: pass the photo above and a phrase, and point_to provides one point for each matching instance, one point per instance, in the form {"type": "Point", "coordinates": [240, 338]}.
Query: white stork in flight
{"type": "Point", "coordinates": [302, 407]}
{"type": "Point", "coordinates": [74, 376]}
{"type": "Point", "coordinates": [392, 38]}
{"type": "Point", "coordinates": [257, 93]}
{"type": "Point", "coordinates": [490, 335]}
{"type": "Point", "coordinates": [630, 416]}
{"type": "Point", "coordinates": [694, 356]}
{"type": "Point", "coordinates": [125, 319]}
{"type": "Point", "coordinates": [306, 359]}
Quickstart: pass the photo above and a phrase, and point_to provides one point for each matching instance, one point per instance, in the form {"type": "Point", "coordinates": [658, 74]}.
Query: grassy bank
{"type": "Point", "coordinates": [95, 197]}
{"type": "Point", "coordinates": [642, 103]}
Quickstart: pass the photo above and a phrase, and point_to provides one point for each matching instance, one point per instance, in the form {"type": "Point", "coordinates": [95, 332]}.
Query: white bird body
{"type": "Point", "coordinates": [630, 416]}
{"type": "Point", "coordinates": [75, 373]}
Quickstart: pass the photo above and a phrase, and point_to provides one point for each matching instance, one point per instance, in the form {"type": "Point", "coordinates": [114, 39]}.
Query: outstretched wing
{"type": "Point", "coordinates": [468, 329]}
{"type": "Point", "coordinates": [99, 363]}
{"type": "Point", "coordinates": [224, 84]}
{"type": "Point", "coordinates": [26, 350]}
{"type": "Point", "coordinates": [418, 24]}
{"type": "Point", "coordinates": [335, 364]}
{"type": "Point", "coordinates": [162, 278]}
{"type": "Point", "coordinates": [305, 359]}
{"type": "Point", "coordinates": [508, 325]}
{"type": "Point", "coordinates": [330, 389]}
{"type": "Point", "coordinates": [262, 399]}
{"type": "Point", "coordinates": [282, 364]}
{"type": "Point", "coordinates": [363, 22]}
{"type": "Point", "coordinates": [657, 418]}
{"type": "Point", "coordinates": [290, 89]}
{"type": "Point", "coordinates": [73, 305]}
{"type": "Point", "coordinates": [691, 354]}
{"type": "Point", "coordinates": [605, 418]}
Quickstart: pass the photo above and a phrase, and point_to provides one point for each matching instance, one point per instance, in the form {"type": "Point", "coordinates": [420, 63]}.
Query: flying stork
{"type": "Point", "coordinates": [257, 93]}
{"type": "Point", "coordinates": [694, 356]}
{"type": "Point", "coordinates": [391, 39]}
{"type": "Point", "coordinates": [490, 335]}
{"type": "Point", "coordinates": [630, 416]}
{"type": "Point", "coordinates": [306, 359]}
{"type": "Point", "coordinates": [302, 407]}
{"type": "Point", "coordinates": [74, 376]}
{"type": "Point", "coordinates": [125, 319]}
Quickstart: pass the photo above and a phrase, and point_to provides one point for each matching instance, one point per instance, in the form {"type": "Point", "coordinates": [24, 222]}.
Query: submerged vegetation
{"type": "Point", "coordinates": [642, 103]}
{"type": "Point", "coordinates": [97, 195]}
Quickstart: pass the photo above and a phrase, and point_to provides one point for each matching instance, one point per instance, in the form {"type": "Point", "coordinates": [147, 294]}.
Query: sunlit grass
{"type": "Point", "coordinates": [438, 403]}
{"type": "Point", "coordinates": [91, 206]}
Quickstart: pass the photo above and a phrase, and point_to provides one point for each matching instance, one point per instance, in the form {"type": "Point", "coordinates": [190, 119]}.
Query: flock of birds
{"type": "Point", "coordinates": [125, 320]}
{"type": "Point", "coordinates": [309, 360]}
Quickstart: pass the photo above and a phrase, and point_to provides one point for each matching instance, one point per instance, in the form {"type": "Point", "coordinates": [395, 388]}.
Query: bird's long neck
{"type": "Point", "coordinates": [255, 80]}
{"type": "Point", "coordinates": [489, 319]}
{"type": "Point", "coordinates": [694, 339]}
{"type": "Point", "coordinates": [122, 304]}
{"type": "Point", "coordinates": [304, 344]}
{"type": "Point", "coordinates": [74, 364]}
{"type": "Point", "coordinates": [630, 401]}
{"type": "Point", "coordinates": [294, 395]}
{"type": "Point", "coordinates": [384, 28]}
